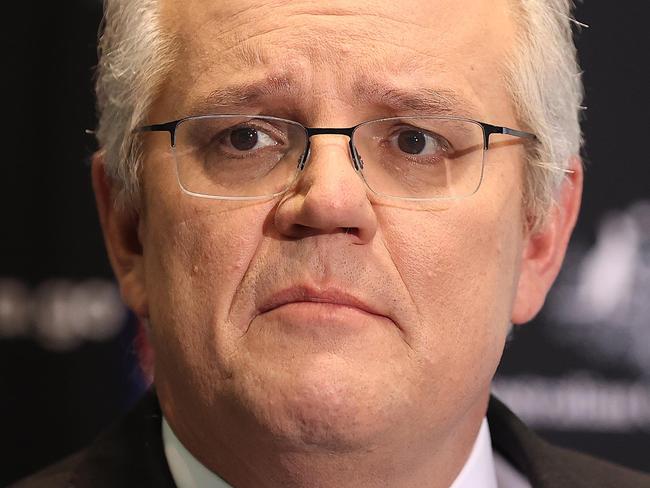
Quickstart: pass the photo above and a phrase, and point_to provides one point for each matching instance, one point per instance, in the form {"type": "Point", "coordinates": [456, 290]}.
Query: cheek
{"type": "Point", "coordinates": [460, 268]}
{"type": "Point", "coordinates": [195, 258]}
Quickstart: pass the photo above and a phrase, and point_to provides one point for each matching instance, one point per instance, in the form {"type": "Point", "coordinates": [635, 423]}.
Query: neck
{"type": "Point", "coordinates": [245, 457]}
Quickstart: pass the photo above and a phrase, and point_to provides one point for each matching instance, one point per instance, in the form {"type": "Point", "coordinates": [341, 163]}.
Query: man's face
{"type": "Point", "coordinates": [434, 285]}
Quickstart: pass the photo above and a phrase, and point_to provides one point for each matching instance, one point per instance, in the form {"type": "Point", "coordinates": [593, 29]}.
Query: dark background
{"type": "Point", "coordinates": [583, 384]}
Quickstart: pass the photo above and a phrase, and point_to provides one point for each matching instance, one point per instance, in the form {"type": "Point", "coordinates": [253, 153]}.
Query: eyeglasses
{"type": "Point", "coordinates": [251, 157]}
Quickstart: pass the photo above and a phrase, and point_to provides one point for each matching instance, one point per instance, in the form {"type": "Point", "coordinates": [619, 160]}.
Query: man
{"type": "Point", "coordinates": [329, 216]}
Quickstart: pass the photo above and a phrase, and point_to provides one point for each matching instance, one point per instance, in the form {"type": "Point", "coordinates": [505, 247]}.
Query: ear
{"type": "Point", "coordinates": [544, 250]}
{"type": "Point", "coordinates": [121, 228]}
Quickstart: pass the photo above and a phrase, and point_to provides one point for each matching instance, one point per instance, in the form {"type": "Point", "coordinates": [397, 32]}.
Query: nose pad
{"type": "Point", "coordinates": [302, 162]}
{"type": "Point", "coordinates": [356, 159]}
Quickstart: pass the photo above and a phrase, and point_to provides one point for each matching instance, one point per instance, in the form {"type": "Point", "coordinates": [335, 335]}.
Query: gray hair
{"type": "Point", "coordinates": [136, 55]}
{"type": "Point", "coordinates": [545, 82]}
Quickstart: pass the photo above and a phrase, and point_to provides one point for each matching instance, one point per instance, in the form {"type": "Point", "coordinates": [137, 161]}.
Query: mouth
{"type": "Point", "coordinates": [331, 296]}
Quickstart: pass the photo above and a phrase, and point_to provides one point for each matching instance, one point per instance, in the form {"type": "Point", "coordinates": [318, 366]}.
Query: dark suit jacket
{"type": "Point", "coordinates": [130, 454]}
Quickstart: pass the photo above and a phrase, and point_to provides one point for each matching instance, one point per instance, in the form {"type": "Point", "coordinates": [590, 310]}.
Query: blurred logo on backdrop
{"type": "Point", "coordinates": [601, 302]}
{"type": "Point", "coordinates": [600, 308]}
{"type": "Point", "coordinates": [61, 314]}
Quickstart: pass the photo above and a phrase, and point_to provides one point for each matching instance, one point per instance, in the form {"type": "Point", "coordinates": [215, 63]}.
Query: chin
{"type": "Point", "coordinates": [336, 410]}
{"type": "Point", "coordinates": [313, 424]}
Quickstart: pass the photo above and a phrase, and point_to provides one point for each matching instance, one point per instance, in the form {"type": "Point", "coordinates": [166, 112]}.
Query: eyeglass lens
{"type": "Point", "coordinates": [407, 157]}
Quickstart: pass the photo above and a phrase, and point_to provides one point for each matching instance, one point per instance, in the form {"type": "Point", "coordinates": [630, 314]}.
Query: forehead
{"type": "Point", "coordinates": [357, 51]}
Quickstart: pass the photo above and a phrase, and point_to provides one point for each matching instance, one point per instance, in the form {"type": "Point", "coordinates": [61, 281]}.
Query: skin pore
{"type": "Point", "coordinates": [312, 394]}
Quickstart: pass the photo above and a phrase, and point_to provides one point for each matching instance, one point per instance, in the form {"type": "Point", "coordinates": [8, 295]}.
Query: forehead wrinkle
{"type": "Point", "coordinates": [320, 36]}
{"type": "Point", "coordinates": [244, 44]}
{"type": "Point", "coordinates": [334, 47]}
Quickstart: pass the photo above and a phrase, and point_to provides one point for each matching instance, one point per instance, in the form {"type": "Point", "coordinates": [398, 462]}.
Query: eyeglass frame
{"type": "Point", "coordinates": [357, 161]}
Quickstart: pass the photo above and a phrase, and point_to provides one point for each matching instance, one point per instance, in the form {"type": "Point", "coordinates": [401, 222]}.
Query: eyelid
{"type": "Point", "coordinates": [265, 126]}
{"type": "Point", "coordinates": [403, 126]}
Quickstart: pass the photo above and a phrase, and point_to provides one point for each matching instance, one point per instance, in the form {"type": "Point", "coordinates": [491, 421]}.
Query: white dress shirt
{"type": "Point", "coordinates": [483, 469]}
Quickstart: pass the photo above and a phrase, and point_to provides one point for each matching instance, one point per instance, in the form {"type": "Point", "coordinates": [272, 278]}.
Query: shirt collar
{"type": "Point", "coordinates": [479, 467]}
{"type": "Point", "coordinates": [188, 472]}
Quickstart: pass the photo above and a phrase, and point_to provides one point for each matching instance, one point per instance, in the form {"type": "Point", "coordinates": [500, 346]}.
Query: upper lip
{"type": "Point", "coordinates": [309, 294]}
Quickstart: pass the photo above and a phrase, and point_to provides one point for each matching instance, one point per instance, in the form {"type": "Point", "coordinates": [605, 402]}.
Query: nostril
{"type": "Point", "coordinates": [351, 230]}
{"type": "Point", "coordinates": [300, 231]}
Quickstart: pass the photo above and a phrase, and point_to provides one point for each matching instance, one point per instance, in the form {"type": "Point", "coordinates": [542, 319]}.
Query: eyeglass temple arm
{"type": "Point", "coordinates": [166, 127]}
{"type": "Point", "coordinates": [495, 129]}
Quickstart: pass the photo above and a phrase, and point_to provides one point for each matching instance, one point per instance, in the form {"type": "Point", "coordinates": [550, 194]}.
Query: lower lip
{"type": "Point", "coordinates": [323, 314]}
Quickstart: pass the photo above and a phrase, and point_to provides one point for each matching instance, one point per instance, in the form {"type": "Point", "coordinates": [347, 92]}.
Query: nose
{"type": "Point", "coordinates": [328, 197]}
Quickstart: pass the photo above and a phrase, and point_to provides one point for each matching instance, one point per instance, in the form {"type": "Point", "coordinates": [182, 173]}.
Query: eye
{"type": "Point", "coordinates": [420, 142]}
{"type": "Point", "coordinates": [249, 138]}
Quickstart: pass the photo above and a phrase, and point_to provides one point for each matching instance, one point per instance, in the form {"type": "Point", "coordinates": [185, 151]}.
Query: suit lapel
{"type": "Point", "coordinates": [129, 454]}
{"type": "Point", "coordinates": [548, 466]}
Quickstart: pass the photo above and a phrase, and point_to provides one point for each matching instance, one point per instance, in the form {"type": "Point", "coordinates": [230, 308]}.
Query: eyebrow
{"type": "Point", "coordinates": [412, 101]}
{"type": "Point", "coordinates": [245, 94]}
{"type": "Point", "coordinates": [416, 101]}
